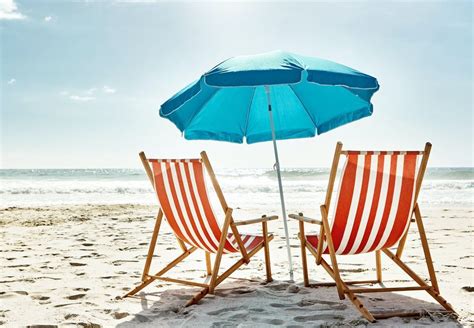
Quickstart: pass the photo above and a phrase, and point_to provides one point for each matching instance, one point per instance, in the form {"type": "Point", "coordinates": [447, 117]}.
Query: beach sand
{"type": "Point", "coordinates": [69, 265]}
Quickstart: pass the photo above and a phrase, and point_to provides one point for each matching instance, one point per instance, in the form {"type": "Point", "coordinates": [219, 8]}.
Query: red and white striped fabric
{"type": "Point", "coordinates": [182, 194]}
{"type": "Point", "coordinates": [374, 203]}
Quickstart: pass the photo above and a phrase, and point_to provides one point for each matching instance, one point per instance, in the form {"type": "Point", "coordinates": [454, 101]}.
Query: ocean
{"type": "Point", "coordinates": [252, 188]}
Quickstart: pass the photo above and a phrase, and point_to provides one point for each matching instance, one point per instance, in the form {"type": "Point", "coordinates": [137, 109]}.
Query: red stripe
{"type": "Point", "coordinates": [154, 160]}
{"type": "Point", "coordinates": [404, 205]}
{"type": "Point", "coordinates": [360, 206]}
{"type": "Point", "coordinates": [375, 203]}
{"type": "Point", "coordinates": [254, 243]}
{"type": "Point", "coordinates": [383, 152]}
{"type": "Point", "coordinates": [388, 202]}
{"type": "Point", "coordinates": [207, 207]}
{"type": "Point", "coordinates": [186, 205]}
{"type": "Point", "coordinates": [196, 208]}
{"type": "Point", "coordinates": [177, 205]}
{"type": "Point", "coordinates": [164, 201]}
{"type": "Point", "coordinates": [345, 198]}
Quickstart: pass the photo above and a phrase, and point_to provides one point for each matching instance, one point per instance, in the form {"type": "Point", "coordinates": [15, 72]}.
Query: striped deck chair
{"type": "Point", "coordinates": [375, 203]}
{"type": "Point", "coordinates": [184, 202]}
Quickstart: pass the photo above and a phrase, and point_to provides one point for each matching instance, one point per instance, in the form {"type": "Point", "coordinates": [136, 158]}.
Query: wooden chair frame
{"type": "Point", "coordinates": [212, 272]}
{"type": "Point", "coordinates": [343, 287]}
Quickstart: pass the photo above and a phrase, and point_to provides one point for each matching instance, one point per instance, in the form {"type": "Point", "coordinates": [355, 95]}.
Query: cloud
{"type": "Point", "coordinates": [108, 89]}
{"type": "Point", "coordinates": [90, 91]}
{"type": "Point", "coordinates": [81, 98]}
{"type": "Point", "coordinates": [88, 94]}
{"type": "Point", "coordinates": [47, 18]}
{"type": "Point", "coordinates": [9, 10]}
{"type": "Point", "coordinates": [11, 81]}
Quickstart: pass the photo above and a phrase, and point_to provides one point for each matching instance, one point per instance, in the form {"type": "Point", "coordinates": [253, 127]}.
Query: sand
{"type": "Point", "coordinates": [69, 265]}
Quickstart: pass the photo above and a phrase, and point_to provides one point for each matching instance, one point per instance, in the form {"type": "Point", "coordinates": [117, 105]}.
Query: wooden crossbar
{"type": "Point", "coordinates": [179, 281]}
{"type": "Point", "coordinates": [354, 282]}
{"type": "Point", "coordinates": [387, 289]}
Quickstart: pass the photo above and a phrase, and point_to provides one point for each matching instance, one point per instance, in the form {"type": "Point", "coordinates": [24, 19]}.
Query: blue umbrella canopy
{"type": "Point", "coordinates": [309, 96]}
{"type": "Point", "coordinates": [271, 96]}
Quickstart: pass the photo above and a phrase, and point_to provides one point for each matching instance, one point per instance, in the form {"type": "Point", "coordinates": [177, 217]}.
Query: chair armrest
{"type": "Point", "coordinates": [259, 220]}
{"type": "Point", "coordinates": [302, 218]}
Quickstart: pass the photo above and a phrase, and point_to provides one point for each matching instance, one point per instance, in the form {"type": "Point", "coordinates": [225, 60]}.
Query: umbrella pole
{"type": "Point", "coordinates": [280, 186]}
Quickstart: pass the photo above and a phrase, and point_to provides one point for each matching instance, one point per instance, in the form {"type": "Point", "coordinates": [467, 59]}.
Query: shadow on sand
{"type": "Point", "coordinates": [252, 304]}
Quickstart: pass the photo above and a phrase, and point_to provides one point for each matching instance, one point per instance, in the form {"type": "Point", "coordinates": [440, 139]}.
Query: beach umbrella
{"type": "Point", "coordinates": [271, 96]}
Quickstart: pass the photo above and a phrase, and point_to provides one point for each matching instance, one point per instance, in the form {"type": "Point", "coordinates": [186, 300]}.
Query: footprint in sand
{"type": "Point", "coordinates": [119, 315]}
{"type": "Point", "coordinates": [318, 317]}
{"type": "Point", "coordinates": [224, 310]}
{"type": "Point", "coordinates": [332, 305]}
{"type": "Point", "coordinates": [40, 297]}
{"type": "Point", "coordinates": [222, 324]}
{"type": "Point", "coordinates": [277, 286]}
{"type": "Point", "coordinates": [274, 322]}
{"type": "Point", "coordinates": [70, 316]}
{"type": "Point", "coordinates": [278, 305]}
{"type": "Point", "coordinates": [75, 297]}
{"type": "Point", "coordinates": [469, 289]}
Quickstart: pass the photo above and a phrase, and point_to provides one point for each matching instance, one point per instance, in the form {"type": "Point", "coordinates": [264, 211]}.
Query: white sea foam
{"type": "Point", "coordinates": [256, 188]}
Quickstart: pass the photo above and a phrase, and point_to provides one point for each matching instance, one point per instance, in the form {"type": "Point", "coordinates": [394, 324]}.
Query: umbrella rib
{"type": "Point", "coordinates": [248, 111]}
{"type": "Point", "coordinates": [304, 107]}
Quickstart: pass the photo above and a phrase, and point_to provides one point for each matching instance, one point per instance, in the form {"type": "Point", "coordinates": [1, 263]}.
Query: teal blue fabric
{"type": "Point", "coordinates": [309, 96]}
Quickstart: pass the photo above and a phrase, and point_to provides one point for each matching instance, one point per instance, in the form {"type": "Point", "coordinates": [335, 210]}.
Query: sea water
{"type": "Point", "coordinates": [252, 188]}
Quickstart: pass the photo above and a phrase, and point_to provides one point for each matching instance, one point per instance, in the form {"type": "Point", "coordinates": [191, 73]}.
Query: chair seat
{"type": "Point", "coordinates": [250, 241]}
{"type": "Point", "coordinates": [313, 241]}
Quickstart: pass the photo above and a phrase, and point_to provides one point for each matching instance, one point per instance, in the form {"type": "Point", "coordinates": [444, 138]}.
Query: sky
{"type": "Point", "coordinates": [82, 81]}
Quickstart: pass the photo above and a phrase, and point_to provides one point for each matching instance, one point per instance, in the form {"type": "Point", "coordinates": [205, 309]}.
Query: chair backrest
{"type": "Point", "coordinates": [375, 199]}
{"type": "Point", "coordinates": [182, 194]}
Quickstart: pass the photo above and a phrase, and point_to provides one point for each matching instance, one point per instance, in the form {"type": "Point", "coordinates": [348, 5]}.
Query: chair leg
{"type": "Point", "coordinates": [208, 263]}
{"type": "Point", "coordinates": [420, 281]}
{"type": "Point", "coordinates": [426, 249]}
{"type": "Point", "coordinates": [360, 307]}
{"type": "Point", "coordinates": [171, 265]}
{"type": "Point", "coordinates": [304, 262]}
{"type": "Point", "coordinates": [151, 248]}
{"type": "Point", "coordinates": [352, 297]}
{"type": "Point", "coordinates": [378, 265]}
{"type": "Point", "coordinates": [196, 298]}
{"type": "Point", "coordinates": [217, 261]}
{"type": "Point", "coordinates": [268, 268]}
{"type": "Point", "coordinates": [332, 253]}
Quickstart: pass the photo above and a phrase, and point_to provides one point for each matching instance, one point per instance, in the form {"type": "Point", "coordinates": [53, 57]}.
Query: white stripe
{"type": "Point", "coordinates": [172, 203]}
{"type": "Point", "coordinates": [354, 204]}
{"type": "Point", "coordinates": [201, 209]}
{"type": "Point", "coordinates": [395, 201]}
{"type": "Point", "coordinates": [247, 244]}
{"type": "Point", "coordinates": [368, 204]}
{"type": "Point", "coordinates": [232, 240]}
{"type": "Point", "coordinates": [208, 244]}
{"type": "Point", "coordinates": [381, 205]}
